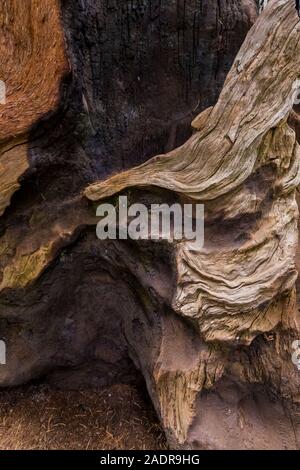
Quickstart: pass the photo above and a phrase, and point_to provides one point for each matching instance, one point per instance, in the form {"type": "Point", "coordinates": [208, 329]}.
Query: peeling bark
{"type": "Point", "coordinates": [33, 64]}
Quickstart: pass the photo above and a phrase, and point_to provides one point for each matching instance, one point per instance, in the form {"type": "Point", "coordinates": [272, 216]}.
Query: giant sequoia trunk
{"type": "Point", "coordinates": [94, 89]}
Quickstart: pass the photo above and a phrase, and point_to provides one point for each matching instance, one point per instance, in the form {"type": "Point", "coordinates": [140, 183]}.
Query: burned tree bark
{"type": "Point", "coordinates": [210, 331]}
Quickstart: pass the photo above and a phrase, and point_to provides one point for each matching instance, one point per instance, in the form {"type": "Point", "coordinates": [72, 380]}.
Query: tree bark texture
{"type": "Point", "coordinates": [95, 89]}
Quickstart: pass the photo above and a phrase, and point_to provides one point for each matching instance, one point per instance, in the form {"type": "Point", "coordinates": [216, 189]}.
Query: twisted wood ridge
{"type": "Point", "coordinates": [242, 162]}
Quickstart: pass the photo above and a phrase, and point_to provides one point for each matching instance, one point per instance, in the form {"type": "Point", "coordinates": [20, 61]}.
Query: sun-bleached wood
{"type": "Point", "coordinates": [243, 164]}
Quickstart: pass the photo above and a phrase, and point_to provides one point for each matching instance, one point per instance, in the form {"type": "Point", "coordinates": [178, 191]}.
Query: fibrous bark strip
{"type": "Point", "coordinates": [210, 330]}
